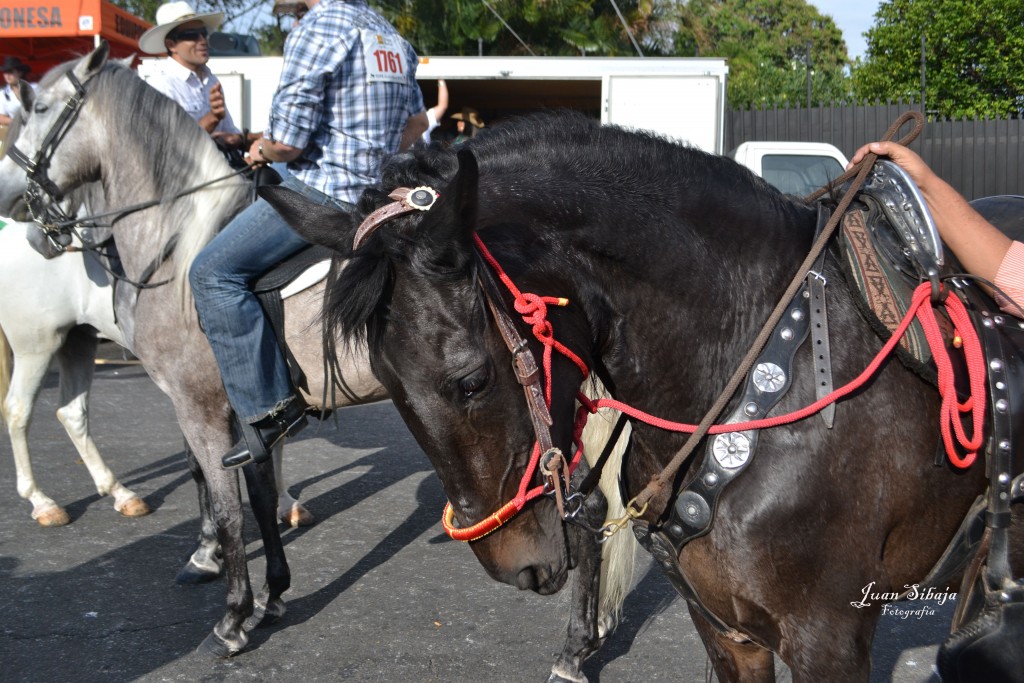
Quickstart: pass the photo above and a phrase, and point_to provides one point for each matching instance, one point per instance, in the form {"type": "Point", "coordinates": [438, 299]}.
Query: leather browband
{"type": "Point", "coordinates": [406, 201]}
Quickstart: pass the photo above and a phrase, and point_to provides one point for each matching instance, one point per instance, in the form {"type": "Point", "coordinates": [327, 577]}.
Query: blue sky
{"type": "Point", "coordinates": [853, 17]}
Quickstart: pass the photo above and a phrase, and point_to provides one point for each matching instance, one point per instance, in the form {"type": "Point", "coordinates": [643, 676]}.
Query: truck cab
{"type": "Point", "coordinates": [796, 168]}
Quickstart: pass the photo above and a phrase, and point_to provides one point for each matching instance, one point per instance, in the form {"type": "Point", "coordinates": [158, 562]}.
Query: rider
{"type": "Point", "coordinates": [184, 36]}
{"type": "Point", "coordinates": [347, 98]}
{"type": "Point", "coordinates": [981, 247]}
{"type": "Point", "coordinates": [14, 71]}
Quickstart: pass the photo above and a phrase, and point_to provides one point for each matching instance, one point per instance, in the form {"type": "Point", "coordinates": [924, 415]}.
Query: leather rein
{"type": "Point", "coordinates": [43, 196]}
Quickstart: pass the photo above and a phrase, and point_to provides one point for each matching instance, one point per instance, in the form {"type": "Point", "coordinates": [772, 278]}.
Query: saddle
{"type": "Point", "coordinates": [889, 245]}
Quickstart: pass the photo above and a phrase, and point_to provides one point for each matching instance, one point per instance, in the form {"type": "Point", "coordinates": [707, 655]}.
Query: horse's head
{"type": "Point", "coordinates": [57, 138]}
{"type": "Point", "coordinates": [413, 289]}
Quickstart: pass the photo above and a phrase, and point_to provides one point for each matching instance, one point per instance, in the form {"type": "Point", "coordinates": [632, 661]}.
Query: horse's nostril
{"type": "Point", "coordinates": [527, 579]}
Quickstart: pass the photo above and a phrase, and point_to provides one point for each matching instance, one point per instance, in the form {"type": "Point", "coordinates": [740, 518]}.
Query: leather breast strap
{"type": "Point", "coordinates": [727, 455]}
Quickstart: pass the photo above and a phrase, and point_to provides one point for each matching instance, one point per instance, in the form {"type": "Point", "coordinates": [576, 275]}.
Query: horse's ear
{"type": "Point", "coordinates": [324, 225]}
{"type": "Point", "coordinates": [91, 64]}
{"type": "Point", "coordinates": [449, 225]}
{"type": "Point", "coordinates": [27, 95]}
{"type": "Point", "coordinates": [468, 178]}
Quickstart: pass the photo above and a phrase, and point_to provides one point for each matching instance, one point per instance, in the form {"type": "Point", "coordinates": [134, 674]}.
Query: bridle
{"type": "Point", "coordinates": [554, 467]}
{"type": "Point", "coordinates": [42, 195]}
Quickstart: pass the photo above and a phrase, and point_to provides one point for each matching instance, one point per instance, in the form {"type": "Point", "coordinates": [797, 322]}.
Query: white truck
{"type": "Point", "coordinates": [796, 168]}
{"type": "Point", "coordinates": [679, 97]}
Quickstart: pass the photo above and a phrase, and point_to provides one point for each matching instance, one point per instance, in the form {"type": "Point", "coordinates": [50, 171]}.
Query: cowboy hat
{"type": "Point", "coordinates": [170, 16]}
{"type": "Point", "coordinates": [14, 64]}
{"type": "Point", "coordinates": [470, 116]}
{"type": "Point", "coordinates": [295, 8]}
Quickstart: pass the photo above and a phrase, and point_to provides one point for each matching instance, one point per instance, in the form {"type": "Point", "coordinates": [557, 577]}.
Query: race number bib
{"type": "Point", "coordinates": [385, 58]}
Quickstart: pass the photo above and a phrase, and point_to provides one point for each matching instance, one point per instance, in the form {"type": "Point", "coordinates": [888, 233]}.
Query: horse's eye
{"type": "Point", "coordinates": [473, 383]}
{"type": "Point", "coordinates": [40, 108]}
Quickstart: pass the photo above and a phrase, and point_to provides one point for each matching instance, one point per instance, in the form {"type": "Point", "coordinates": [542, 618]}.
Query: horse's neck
{"type": "Point", "coordinates": [689, 307]}
{"type": "Point", "coordinates": [143, 236]}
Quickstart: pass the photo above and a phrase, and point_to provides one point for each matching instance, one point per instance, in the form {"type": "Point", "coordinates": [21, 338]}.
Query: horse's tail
{"type": "Point", "coordinates": [618, 553]}
{"type": "Point", "coordinates": [6, 365]}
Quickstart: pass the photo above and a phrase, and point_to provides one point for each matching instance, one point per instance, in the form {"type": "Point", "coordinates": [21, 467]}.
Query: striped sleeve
{"type": "Point", "coordinates": [1010, 279]}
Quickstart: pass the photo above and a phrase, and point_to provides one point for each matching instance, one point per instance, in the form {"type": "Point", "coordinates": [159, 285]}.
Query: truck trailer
{"type": "Point", "coordinates": [682, 98]}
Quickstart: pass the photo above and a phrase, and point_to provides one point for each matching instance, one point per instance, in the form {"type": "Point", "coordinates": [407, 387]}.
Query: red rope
{"type": "Point", "coordinates": [951, 423]}
{"type": "Point", "coordinates": [533, 309]}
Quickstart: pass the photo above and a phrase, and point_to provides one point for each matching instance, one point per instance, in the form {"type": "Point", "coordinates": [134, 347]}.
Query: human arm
{"type": "Point", "coordinates": [978, 244]}
{"type": "Point", "coordinates": [263, 151]}
{"type": "Point", "coordinates": [442, 100]}
{"type": "Point", "coordinates": [415, 126]}
{"type": "Point", "coordinates": [217, 122]}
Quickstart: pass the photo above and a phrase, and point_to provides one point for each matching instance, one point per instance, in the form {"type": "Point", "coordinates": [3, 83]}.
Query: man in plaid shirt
{"type": "Point", "coordinates": [347, 99]}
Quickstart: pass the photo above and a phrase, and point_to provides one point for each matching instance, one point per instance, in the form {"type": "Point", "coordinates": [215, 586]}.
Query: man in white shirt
{"type": "Point", "coordinates": [183, 36]}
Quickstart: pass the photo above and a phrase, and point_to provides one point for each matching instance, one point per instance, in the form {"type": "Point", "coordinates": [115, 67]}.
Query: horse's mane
{"type": "Point", "coordinates": [554, 172]}
{"type": "Point", "coordinates": [173, 153]}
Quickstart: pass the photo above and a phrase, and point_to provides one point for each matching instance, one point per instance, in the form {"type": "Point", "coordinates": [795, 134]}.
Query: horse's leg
{"type": "Point", "coordinates": [829, 645]}
{"type": "Point", "coordinates": [735, 662]}
{"type": "Point", "coordinates": [76, 357]}
{"type": "Point", "coordinates": [290, 511]}
{"type": "Point", "coordinates": [584, 634]}
{"type": "Point", "coordinates": [206, 563]}
{"type": "Point", "coordinates": [228, 637]}
{"type": "Point", "coordinates": [22, 389]}
{"type": "Point", "coordinates": [269, 607]}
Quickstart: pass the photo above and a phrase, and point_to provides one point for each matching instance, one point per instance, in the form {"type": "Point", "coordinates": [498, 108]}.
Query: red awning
{"type": "Point", "coordinates": [44, 33]}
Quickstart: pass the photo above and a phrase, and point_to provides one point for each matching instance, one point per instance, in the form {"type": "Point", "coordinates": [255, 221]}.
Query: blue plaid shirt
{"type": "Point", "coordinates": [347, 87]}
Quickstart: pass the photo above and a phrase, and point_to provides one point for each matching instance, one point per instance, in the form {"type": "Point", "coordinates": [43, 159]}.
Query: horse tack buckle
{"type": "Point", "coordinates": [556, 476]}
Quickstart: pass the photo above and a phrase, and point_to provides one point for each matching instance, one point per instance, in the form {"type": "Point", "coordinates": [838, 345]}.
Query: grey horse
{"type": "Point", "coordinates": [139, 145]}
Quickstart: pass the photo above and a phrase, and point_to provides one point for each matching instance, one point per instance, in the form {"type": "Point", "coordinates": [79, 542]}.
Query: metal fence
{"type": "Point", "coordinates": [979, 157]}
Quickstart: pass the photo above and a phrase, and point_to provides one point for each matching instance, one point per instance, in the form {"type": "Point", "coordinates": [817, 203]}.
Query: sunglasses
{"type": "Point", "coordinates": [191, 34]}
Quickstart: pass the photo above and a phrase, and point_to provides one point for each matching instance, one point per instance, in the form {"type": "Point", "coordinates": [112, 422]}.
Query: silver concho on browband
{"type": "Point", "coordinates": [406, 200]}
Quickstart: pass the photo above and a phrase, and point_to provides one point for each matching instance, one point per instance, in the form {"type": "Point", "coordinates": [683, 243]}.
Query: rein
{"type": "Point", "coordinates": [43, 195]}
{"type": "Point", "coordinates": [638, 506]}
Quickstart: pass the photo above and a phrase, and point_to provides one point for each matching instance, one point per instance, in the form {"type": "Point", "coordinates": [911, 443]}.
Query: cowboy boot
{"type": "Point", "coordinates": [259, 439]}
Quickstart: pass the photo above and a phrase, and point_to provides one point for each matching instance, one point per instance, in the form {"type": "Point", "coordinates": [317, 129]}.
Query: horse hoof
{"type": "Point", "coordinates": [191, 575]}
{"type": "Point", "coordinates": [556, 677]}
{"type": "Point", "coordinates": [297, 516]}
{"type": "Point", "coordinates": [215, 646]}
{"type": "Point", "coordinates": [55, 516]}
{"type": "Point", "coordinates": [265, 615]}
{"type": "Point", "coordinates": [134, 507]}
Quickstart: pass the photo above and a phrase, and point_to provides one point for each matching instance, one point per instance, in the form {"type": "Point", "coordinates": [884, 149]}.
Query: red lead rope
{"type": "Point", "coordinates": [533, 309]}
{"type": "Point", "coordinates": [950, 414]}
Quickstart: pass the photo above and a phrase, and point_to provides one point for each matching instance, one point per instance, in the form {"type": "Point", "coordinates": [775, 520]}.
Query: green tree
{"type": "Point", "coordinates": [974, 56]}
{"type": "Point", "coordinates": [771, 46]}
{"type": "Point", "coordinates": [521, 27]}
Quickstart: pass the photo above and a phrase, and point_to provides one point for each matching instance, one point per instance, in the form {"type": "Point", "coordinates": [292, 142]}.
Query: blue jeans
{"type": "Point", "coordinates": [254, 371]}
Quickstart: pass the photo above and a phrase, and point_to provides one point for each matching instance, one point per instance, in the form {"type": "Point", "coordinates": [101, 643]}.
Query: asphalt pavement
{"type": "Point", "coordinates": [379, 593]}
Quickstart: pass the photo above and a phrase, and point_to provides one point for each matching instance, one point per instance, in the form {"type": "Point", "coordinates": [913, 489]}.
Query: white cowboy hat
{"type": "Point", "coordinates": [170, 16]}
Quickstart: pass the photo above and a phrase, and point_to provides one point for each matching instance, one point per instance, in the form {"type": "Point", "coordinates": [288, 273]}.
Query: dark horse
{"type": "Point", "coordinates": [670, 259]}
